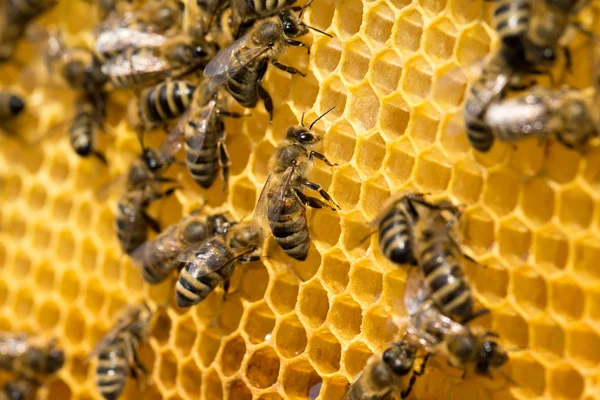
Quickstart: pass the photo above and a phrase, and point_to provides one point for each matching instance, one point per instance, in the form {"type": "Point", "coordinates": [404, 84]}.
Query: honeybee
{"type": "Point", "coordinates": [158, 257]}
{"type": "Point", "coordinates": [542, 112]}
{"type": "Point", "coordinates": [241, 66]}
{"type": "Point", "coordinates": [28, 358]}
{"type": "Point", "coordinates": [19, 389]}
{"type": "Point", "coordinates": [160, 104]}
{"type": "Point", "coordinates": [280, 207]}
{"type": "Point", "coordinates": [439, 335]}
{"type": "Point", "coordinates": [11, 106]}
{"type": "Point", "coordinates": [246, 11]}
{"type": "Point", "coordinates": [89, 116]}
{"type": "Point", "coordinates": [211, 262]}
{"type": "Point", "coordinates": [389, 374]}
{"type": "Point", "coordinates": [117, 351]}
{"type": "Point", "coordinates": [15, 15]}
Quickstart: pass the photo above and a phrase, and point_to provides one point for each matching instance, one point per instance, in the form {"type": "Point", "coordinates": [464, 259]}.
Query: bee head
{"type": "Point", "coordinates": [293, 26]}
{"type": "Point", "coordinates": [152, 159]}
{"type": "Point", "coordinates": [400, 358]}
{"type": "Point", "coordinates": [218, 224]}
{"type": "Point", "coordinates": [56, 359]}
{"type": "Point", "coordinates": [462, 346]}
{"type": "Point", "coordinates": [301, 135]}
{"type": "Point", "coordinates": [16, 105]}
{"type": "Point", "coordinates": [491, 356]}
{"type": "Point", "coordinates": [195, 231]}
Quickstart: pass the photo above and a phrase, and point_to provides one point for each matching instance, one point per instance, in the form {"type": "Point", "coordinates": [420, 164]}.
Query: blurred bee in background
{"type": "Point", "coordinates": [15, 16]}
{"type": "Point", "coordinates": [158, 257]}
{"type": "Point", "coordinates": [387, 375]}
{"type": "Point", "coordinates": [564, 114]}
{"type": "Point", "coordinates": [117, 351]}
{"type": "Point", "coordinates": [211, 262]}
{"type": "Point", "coordinates": [28, 357]}
{"type": "Point", "coordinates": [241, 66]}
{"type": "Point", "coordinates": [11, 106]}
{"type": "Point", "coordinates": [19, 389]}
{"type": "Point", "coordinates": [281, 206]}
{"type": "Point", "coordinates": [89, 118]}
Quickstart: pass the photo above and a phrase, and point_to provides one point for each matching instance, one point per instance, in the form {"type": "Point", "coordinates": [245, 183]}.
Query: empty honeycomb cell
{"type": "Point", "coordinates": [537, 200]}
{"type": "Point", "coordinates": [161, 330]}
{"type": "Point", "coordinates": [514, 240]}
{"type": "Point", "coordinates": [440, 39]}
{"type": "Point", "coordinates": [190, 378]}
{"type": "Point", "coordinates": [370, 153]}
{"type": "Point", "coordinates": [207, 346]}
{"type": "Point", "coordinates": [65, 246]}
{"type": "Point", "coordinates": [48, 314]}
{"type": "Point", "coordinates": [61, 207]}
{"type": "Point", "coordinates": [254, 283]}
{"type": "Point", "coordinates": [290, 337]}
{"type": "Point", "coordinates": [263, 151]}
{"type": "Point", "coordinates": [587, 257]}
{"type": "Point", "coordinates": [212, 388]}
{"type": "Point", "coordinates": [385, 71]}
{"type": "Point", "coordinates": [408, 31]}
{"type": "Point", "coordinates": [365, 283]}
{"type": "Point", "coordinates": [363, 107]}
{"type": "Point", "coordinates": [433, 170]}
{"type": "Point", "coordinates": [334, 94]}
{"type": "Point", "coordinates": [566, 382]}
{"type": "Point", "coordinates": [512, 327]}
{"type": "Point", "coordinates": [379, 23]}
{"type": "Point", "coordinates": [561, 164]}
{"type": "Point", "coordinates": [17, 227]}
{"type": "Point", "coordinates": [259, 323]}
{"type": "Point", "coordinates": [230, 313]}
{"type": "Point", "coordinates": [184, 336]}
{"type": "Point", "coordinates": [41, 236]}
{"type": "Point", "coordinates": [44, 276]}
{"type": "Point", "coordinates": [354, 231]}
{"type": "Point", "coordinates": [11, 187]}
{"type": "Point", "coordinates": [326, 228]}
{"type": "Point", "coordinates": [565, 288]}
{"type": "Point", "coordinates": [501, 191]}
{"type": "Point", "coordinates": [529, 374]}
{"type": "Point", "coordinates": [21, 265]}
{"type": "Point", "coordinates": [330, 53]}
{"type": "Point", "coordinates": [378, 327]}
{"type": "Point", "coordinates": [167, 370]}
{"type": "Point", "coordinates": [300, 380]}
{"type": "Point", "coordinates": [305, 270]}
{"type": "Point", "coordinates": [324, 352]}
{"type": "Point", "coordinates": [4, 291]}
{"type": "Point", "coordinates": [355, 60]}
{"type": "Point", "coordinates": [237, 389]}
{"type": "Point", "coordinates": [467, 181]}
{"type": "Point", "coordinates": [344, 178]}
{"type": "Point", "coordinates": [23, 303]}
{"type": "Point", "coordinates": [551, 248]}
{"type": "Point", "coordinates": [79, 368]}
{"type": "Point", "coordinates": [529, 290]}
{"type": "Point", "coordinates": [89, 255]}
{"type": "Point", "coordinates": [305, 91]}
{"type": "Point", "coordinates": [339, 142]}
{"type": "Point", "coordinates": [322, 17]}
{"type": "Point", "coordinates": [416, 79]}
{"type": "Point", "coordinates": [348, 17]}
{"type": "Point", "coordinates": [400, 161]}
{"type": "Point", "coordinates": [283, 294]}
{"type": "Point", "coordinates": [270, 396]}
{"type": "Point", "coordinates": [105, 226]}
{"type": "Point", "coordinates": [59, 169]}
{"type": "Point", "coordinates": [345, 317]}
{"type": "Point", "coordinates": [74, 329]}
{"type": "Point", "coordinates": [36, 197]}
{"type": "Point", "coordinates": [111, 269]}
{"type": "Point", "coordinates": [281, 121]}
{"type": "Point", "coordinates": [464, 13]}
{"type": "Point", "coordinates": [575, 207]}
{"type": "Point", "coordinates": [355, 358]}
{"type": "Point", "coordinates": [334, 271]}
{"type": "Point", "coordinates": [473, 45]}
{"type": "Point", "coordinates": [238, 143]}
{"type": "Point", "coordinates": [69, 285]}
{"type": "Point", "coordinates": [58, 389]}
{"type": "Point", "coordinates": [583, 345]}
{"type": "Point", "coordinates": [424, 123]}
{"type": "Point", "coordinates": [490, 280]}
{"type": "Point", "coordinates": [263, 368]}
{"type": "Point", "coordinates": [448, 86]}
{"type": "Point", "coordinates": [433, 7]}
{"type": "Point", "coordinates": [394, 117]}
{"type": "Point", "coordinates": [232, 355]}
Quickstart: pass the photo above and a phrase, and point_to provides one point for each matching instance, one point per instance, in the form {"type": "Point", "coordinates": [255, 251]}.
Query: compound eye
{"type": "Point", "coordinates": [305, 137]}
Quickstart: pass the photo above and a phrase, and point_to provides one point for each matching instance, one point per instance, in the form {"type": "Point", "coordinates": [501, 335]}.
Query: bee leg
{"type": "Point", "coordinates": [266, 98]}
{"type": "Point", "coordinates": [226, 286]}
{"type": "Point", "coordinates": [224, 162]}
{"type": "Point", "coordinates": [414, 377]}
{"type": "Point", "coordinates": [313, 202]}
{"type": "Point", "coordinates": [491, 334]}
{"type": "Point", "coordinates": [287, 68]}
{"type": "Point", "coordinates": [229, 114]}
{"type": "Point", "coordinates": [322, 158]}
{"type": "Point", "coordinates": [164, 179]}
{"type": "Point", "coordinates": [100, 157]}
{"type": "Point", "coordinates": [154, 225]}
{"type": "Point", "coordinates": [322, 192]}
{"type": "Point", "coordinates": [475, 315]}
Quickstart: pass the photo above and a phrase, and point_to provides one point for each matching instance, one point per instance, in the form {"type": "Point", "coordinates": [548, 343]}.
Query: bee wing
{"type": "Point", "coordinates": [415, 291]}
{"type": "Point", "coordinates": [231, 60]}
{"type": "Point", "coordinates": [200, 127]}
{"type": "Point", "coordinates": [269, 204]}
{"type": "Point", "coordinates": [174, 141]}
{"type": "Point", "coordinates": [166, 242]}
{"type": "Point", "coordinates": [122, 323]}
{"type": "Point", "coordinates": [103, 191]}
{"type": "Point", "coordinates": [206, 257]}
{"type": "Point", "coordinates": [118, 39]}
{"type": "Point", "coordinates": [137, 64]}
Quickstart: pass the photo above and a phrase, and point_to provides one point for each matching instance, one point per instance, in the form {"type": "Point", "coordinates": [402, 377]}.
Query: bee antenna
{"type": "Point", "coordinates": [304, 7]}
{"type": "Point", "coordinates": [318, 30]}
{"type": "Point", "coordinates": [140, 137]}
{"type": "Point", "coordinates": [319, 117]}
{"type": "Point", "coordinates": [302, 120]}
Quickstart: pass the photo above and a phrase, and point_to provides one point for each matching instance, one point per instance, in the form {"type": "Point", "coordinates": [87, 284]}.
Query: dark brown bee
{"type": "Point", "coordinates": [247, 11]}
{"type": "Point", "coordinates": [211, 262]}
{"type": "Point", "coordinates": [89, 117]}
{"type": "Point", "coordinates": [160, 104]}
{"type": "Point", "coordinates": [28, 358]}
{"type": "Point", "coordinates": [15, 15]}
{"type": "Point", "coordinates": [387, 375]}
{"type": "Point", "coordinates": [11, 106]}
{"type": "Point", "coordinates": [117, 351]}
{"type": "Point", "coordinates": [158, 257]}
{"type": "Point", "coordinates": [241, 66]}
{"type": "Point", "coordinates": [281, 206]}
{"type": "Point", "coordinates": [19, 389]}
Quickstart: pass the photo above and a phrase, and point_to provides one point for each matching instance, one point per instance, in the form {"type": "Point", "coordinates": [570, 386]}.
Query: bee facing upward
{"type": "Point", "coordinates": [25, 357]}
{"type": "Point", "coordinates": [387, 375]}
{"type": "Point", "coordinates": [281, 206]}
{"type": "Point", "coordinates": [89, 117]}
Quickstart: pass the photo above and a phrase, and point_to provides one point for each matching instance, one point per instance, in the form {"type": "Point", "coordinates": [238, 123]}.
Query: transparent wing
{"type": "Point", "coordinates": [231, 60]}
{"type": "Point", "coordinates": [137, 64]}
{"type": "Point", "coordinates": [166, 243]}
{"type": "Point", "coordinates": [118, 39]}
{"type": "Point", "coordinates": [196, 129]}
{"type": "Point", "coordinates": [174, 141]}
{"type": "Point", "coordinates": [102, 192]}
{"type": "Point", "coordinates": [123, 323]}
{"type": "Point", "coordinates": [415, 291]}
{"type": "Point", "coordinates": [269, 204]}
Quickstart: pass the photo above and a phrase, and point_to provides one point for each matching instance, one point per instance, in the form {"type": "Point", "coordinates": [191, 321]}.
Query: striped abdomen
{"type": "Point", "coordinates": [83, 129]}
{"type": "Point", "coordinates": [131, 67]}
{"type": "Point", "coordinates": [132, 228]}
{"type": "Point", "coordinates": [395, 236]}
{"type": "Point", "coordinates": [160, 257]}
{"type": "Point", "coordinates": [291, 229]}
{"type": "Point", "coordinates": [243, 86]}
{"type": "Point", "coordinates": [264, 8]}
{"type": "Point", "coordinates": [445, 278]}
{"type": "Point", "coordinates": [112, 371]}
{"type": "Point", "coordinates": [511, 20]}
{"type": "Point", "coordinates": [202, 163]}
{"type": "Point", "coordinates": [165, 102]}
{"type": "Point", "coordinates": [195, 281]}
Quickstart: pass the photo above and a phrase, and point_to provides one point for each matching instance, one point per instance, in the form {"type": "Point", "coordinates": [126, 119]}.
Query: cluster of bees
{"type": "Point", "coordinates": [147, 47]}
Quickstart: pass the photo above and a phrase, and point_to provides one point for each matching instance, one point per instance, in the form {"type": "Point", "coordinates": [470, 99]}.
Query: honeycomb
{"type": "Point", "coordinates": [396, 71]}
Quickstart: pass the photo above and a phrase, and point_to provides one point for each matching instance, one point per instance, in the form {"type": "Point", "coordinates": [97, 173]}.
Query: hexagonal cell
{"type": "Point", "coordinates": [424, 123]}
{"type": "Point", "coordinates": [262, 151]}
{"type": "Point", "coordinates": [501, 191]}
{"type": "Point", "coordinates": [111, 269]}
{"type": "Point", "coordinates": [346, 187]}
{"type": "Point", "coordinates": [551, 248]}
{"type": "Point", "coordinates": [59, 169]}
{"type": "Point", "coordinates": [48, 315]}
{"type": "Point", "coordinates": [363, 107]}
{"type": "Point", "coordinates": [529, 373]}
{"type": "Point", "coordinates": [548, 338]}
{"type": "Point", "coordinates": [339, 142]}
{"type": "Point", "coordinates": [400, 161]}
{"type": "Point", "coordinates": [11, 187]}
{"type": "Point", "coordinates": [355, 60]}
{"type": "Point", "coordinates": [587, 256]}
{"type": "Point", "coordinates": [348, 17]}
{"type": "Point", "coordinates": [467, 181]}
{"type": "Point", "coordinates": [263, 368]}
{"type": "Point", "coordinates": [378, 327]}
{"type": "Point", "coordinates": [473, 42]}
{"type": "Point", "coordinates": [433, 7]}
{"type": "Point", "coordinates": [562, 289]}
{"type": "Point", "coordinates": [323, 17]}
{"type": "Point", "coordinates": [514, 240]}
{"type": "Point", "coordinates": [409, 30]}
{"type": "Point", "coordinates": [37, 197]}
{"type": "Point", "coordinates": [237, 389]}
{"type": "Point", "coordinates": [290, 337]}
{"type": "Point", "coordinates": [529, 290]}
{"type": "Point", "coordinates": [69, 285]}
{"type": "Point", "coordinates": [232, 355]}
{"type": "Point", "coordinates": [16, 226]}
{"type": "Point", "coordinates": [537, 200]}
{"type": "Point", "coordinates": [449, 86]}
{"type": "Point", "coordinates": [231, 314]}
{"type": "Point", "coordinates": [416, 79]}
{"type": "Point", "coordinates": [243, 197]}
{"type": "Point", "coordinates": [254, 283]}
{"type": "Point", "coordinates": [365, 283]}
{"type": "Point", "coordinates": [167, 370]}
{"type": "Point", "coordinates": [583, 345]}
{"type": "Point", "coordinates": [299, 380]}
{"type": "Point", "coordinates": [24, 303]}
{"type": "Point", "coordinates": [22, 265]}
{"type": "Point", "coordinates": [283, 294]}
{"type": "Point", "coordinates": [370, 153]}
{"type": "Point", "coordinates": [394, 117]}
{"type": "Point", "coordinates": [305, 270]}
{"type": "Point", "coordinates": [62, 206]}
{"type": "Point", "coordinates": [305, 91]}
{"type": "Point", "coordinates": [162, 327]}
{"type": "Point", "coordinates": [207, 346]}
{"type": "Point", "coordinates": [433, 170]}
{"type": "Point", "coordinates": [58, 389]}
{"type": "Point", "coordinates": [374, 193]}
{"type": "Point", "coordinates": [575, 207]}
{"type": "Point", "coordinates": [379, 24]}
{"type": "Point", "coordinates": [440, 38]}
{"type": "Point", "coordinates": [512, 328]}
{"type": "Point", "coordinates": [326, 229]}
{"type": "Point", "coordinates": [324, 352]}
{"type": "Point", "coordinates": [237, 144]}
{"type": "Point", "coordinates": [259, 323]}
{"type": "Point", "coordinates": [566, 382]}
{"type": "Point", "coordinates": [212, 388]}
{"type": "Point", "coordinates": [386, 71]}
{"type": "Point", "coordinates": [185, 336]}
{"type": "Point", "coordinates": [354, 230]}
{"type": "Point", "coordinates": [491, 280]}
{"type": "Point", "coordinates": [74, 329]}
{"type": "Point", "coordinates": [44, 276]}
{"type": "Point", "coordinates": [561, 164]}
{"type": "Point", "coordinates": [334, 271]}
{"type": "Point", "coordinates": [345, 317]}
{"type": "Point", "coordinates": [333, 94]}
{"type": "Point", "coordinates": [190, 378]}
{"type": "Point", "coordinates": [355, 358]}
